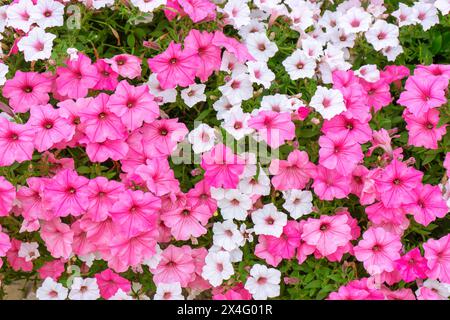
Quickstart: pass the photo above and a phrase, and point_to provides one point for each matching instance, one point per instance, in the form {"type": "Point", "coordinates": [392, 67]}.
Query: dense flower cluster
{"type": "Point", "coordinates": [100, 196]}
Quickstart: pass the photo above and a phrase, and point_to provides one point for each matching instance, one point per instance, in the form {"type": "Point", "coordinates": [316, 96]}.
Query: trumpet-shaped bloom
{"type": "Point", "coordinates": [293, 173]}
{"type": "Point", "coordinates": [273, 127]}
{"type": "Point", "coordinates": [16, 142]}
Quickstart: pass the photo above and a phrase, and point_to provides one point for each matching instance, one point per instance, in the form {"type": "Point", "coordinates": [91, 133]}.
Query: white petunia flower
{"type": "Point", "coordinates": [161, 95]}
{"type": "Point", "coordinates": [391, 53]}
{"type": "Point", "coordinates": [121, 295]}
{"type": "Point", "coordinates": [3, 18]}
{"type": "Point", "coordinates": [260, 73]}
{"type": "Point", "coordinates": [84, 289]}
{"type": "Point", "coordinates": [238, 88]}
{"type": "Point", "coordinates": [328, 102]}
{"type": "Point", "coordinates": [3, 71]}
{"type": "Point", "coordinates": [298, 202]}
{"type": "Point", "coordinates": [277, 103]}
{"type": "Point", "coordinates": [299, 65]}
{"type": "Point", "coordinates": [253, 186]}
{"type": "Point", "coordinates": [226, 235]}
{"type": "Point", "coordinates": [51, 290]}
{"type": "Point", "coordinates": [47, 13]}
{"type": "Point", "coordinates": [404, 15]}
{"type": "Point", "coordinates": [217, 268]}
{"type": "Point", "coordinates": [263, 282]}
{"type": "Point", "coordinates": [355, 20]}
{"type": "Point", "coordinates": [29, 251]}
{"type": "Point", "coordinates": [231, 65]}
{"type": "Point", "coordinates": [425, 14]}
{"type": "Point", "coordinates": [443, 6]}
{"type": "Point", "coordinates": [202, 138]}
{"type": "Point", "coordinates": [193, 94]}
{"type": "Point", "coordinates": [235, 123]}
{"type": "Point", "coordinates": [168, 291]}
{"type": "Point", "coordinates": [369, 72]}
{"type": "Point", "coordinates": [234, 205]}
{"type": "Point", "coordinates": [18, 15]}
{"type": "Point", "coordinates": [37, 45]}
{"type": "Point", "coordinates": [148, 5]}
{"type": "Point", "coordinates": [223, 106]}
{"type": "Point", "coordinates": [382, 35]}
{"type": "Point", "coordinates": [237, 13]}
{"type": "Point", "coordinates": [269, 221]}
{"type": "Point", "coordinates": [260, 47]}
{"type": "Point", "coordinates": [301, 17]}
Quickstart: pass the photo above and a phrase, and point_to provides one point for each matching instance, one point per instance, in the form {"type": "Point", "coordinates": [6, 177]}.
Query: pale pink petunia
{"type": "Point", "coordinates": [378, 250]}
{"type": "Point", "coordinates": [158, 176]}
{"type": "Point", "coordinates": [127, 65]}
{"type": "Point", "coordinates": [102, 194]}
{"type": "Point", "coordinates": [176, 265]}
{"type": "Point", "coordinates": [437, 253]}
{"type": "Point", "coordinates": [175, 66]}
{"type": "Point", "coordinates": [327, 233]}
{"type": "Point", "coordinates": [273, 127]}
{"type": "Point", "coordinates": [58, 238]}
{"type": "Point", "coordinates": [233, 46]}
{"type": "Point", "coordinates": [423, 93]}
{"type": "Point", "coordinates": [5, 244]}
{"type": "Point", "coordinates": [67, 193]}
{"type": "Point", "coordinates": [49, 127]}
{"type": "Point", "coordinates": [134, 105]}
{"type": "Point", "coordinates": [222, 167]}
{"type": "Point", "coordinates": [7, 196]}
{"type": "Point", "coordinates": [14, 261]}
{"type": "Point", "coordinates": [16, 142]}
{"type": "Point", "coordinates": [32, 200]}
{"type": "Point", "coordinates": [77, 77]}
{"type": "Point", "coordinates": [293, 173]}
{"type": "Point", "coordinates": [330, 184]}
{"type": "Point", "coordinates": [187, 221]}
{"type": "Point", "coordinates": [135, 211]}
{"type": "Point", "coordinates": [27, 89]}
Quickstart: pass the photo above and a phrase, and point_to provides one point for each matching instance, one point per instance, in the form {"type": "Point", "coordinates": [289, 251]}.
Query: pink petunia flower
{"type": "Point", "coordinates": [108, 149]}
{"type": "Point", "coordinates": [327, 233]}
{"type": "Point", "coordinates": [378, 250]}
{"type": "Point", "coordinates": [222, 167]}
{"type": "Point", "coordinates": [437, 253]}
{"type": "Point", "coordinates": [433, 70]}
{"type": "Point", "coordinates": [127, 65]}
{"type": "Point", "coordinates": [32, 200]}
{"type": "Point", "coordinates": [378, 93]}
{"type": "Point", "coordinates": [233, 46]}
{"type": "Point", "coordinates": [339, 152]}
{"type": "Point", "coordinates": [67, 193]}
{"type": "Point", "coordinates": [200, 195]}
{"type": "Point", "coordinates": [77, 77]}
{"type": "Point", "coordinates": [135, 211]}
{"type": "Point", "coordinates": [52, 269]}
{"type": "Point", "coordinates": [330, 184]}
{"type": "Point", "coordinates": [134, 105]}
{"type": "Point", "coordinates": [14, 261]}
{"type": "Point", "coordinates": [58, 238]}
{"type": "Point", "coordinates": [99, 122]}
{"type": "Point", "coordinates": [187, 221]}
{"type": "Point", "coordinates": [7, 196]}
{"type": "Point", "coordinates": [175, 66]}
{"type": "Point", "coordinates": [158, 176]}
{"type": "Point", "coordinates": [293, 173]}
{"type": "Point", "coordinates": [199, 10]}
{"type": "Point", "coordinates": [396, 182]}
{"type": "Point", "coordinates": [102, 194]}
{"type": "Point", "coordinates": [107, 77]}
{"type": "Point", "coordinates": [358, 131]}
{"type": "Point", "coordinates": [423, 130]}
{"type": "Point", "coordinates": [273, 127]}
{"type": "Point", "coordinates": [16, 142]}
{"type": "Point", "coordinates": [423, 93]}
{"type": "Point", "coordinates": [428, 204]}
{"type": "Point", "coordinates": [109, 282]}
{"type": "Point", "coordinates": [285, 245]}
{"type": "Point", "coordinates": [49, 127]}
{"type": "Point", "coordinates": [176, 265]}
{"type": "Point", "coordinates": [209, 54]}
{"type": "Point", "coordinates": [412, 266]}
{"type": "Point", "coordinates": [162, 136]}
{"type": "Point", "coordinates": [26, 90]}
